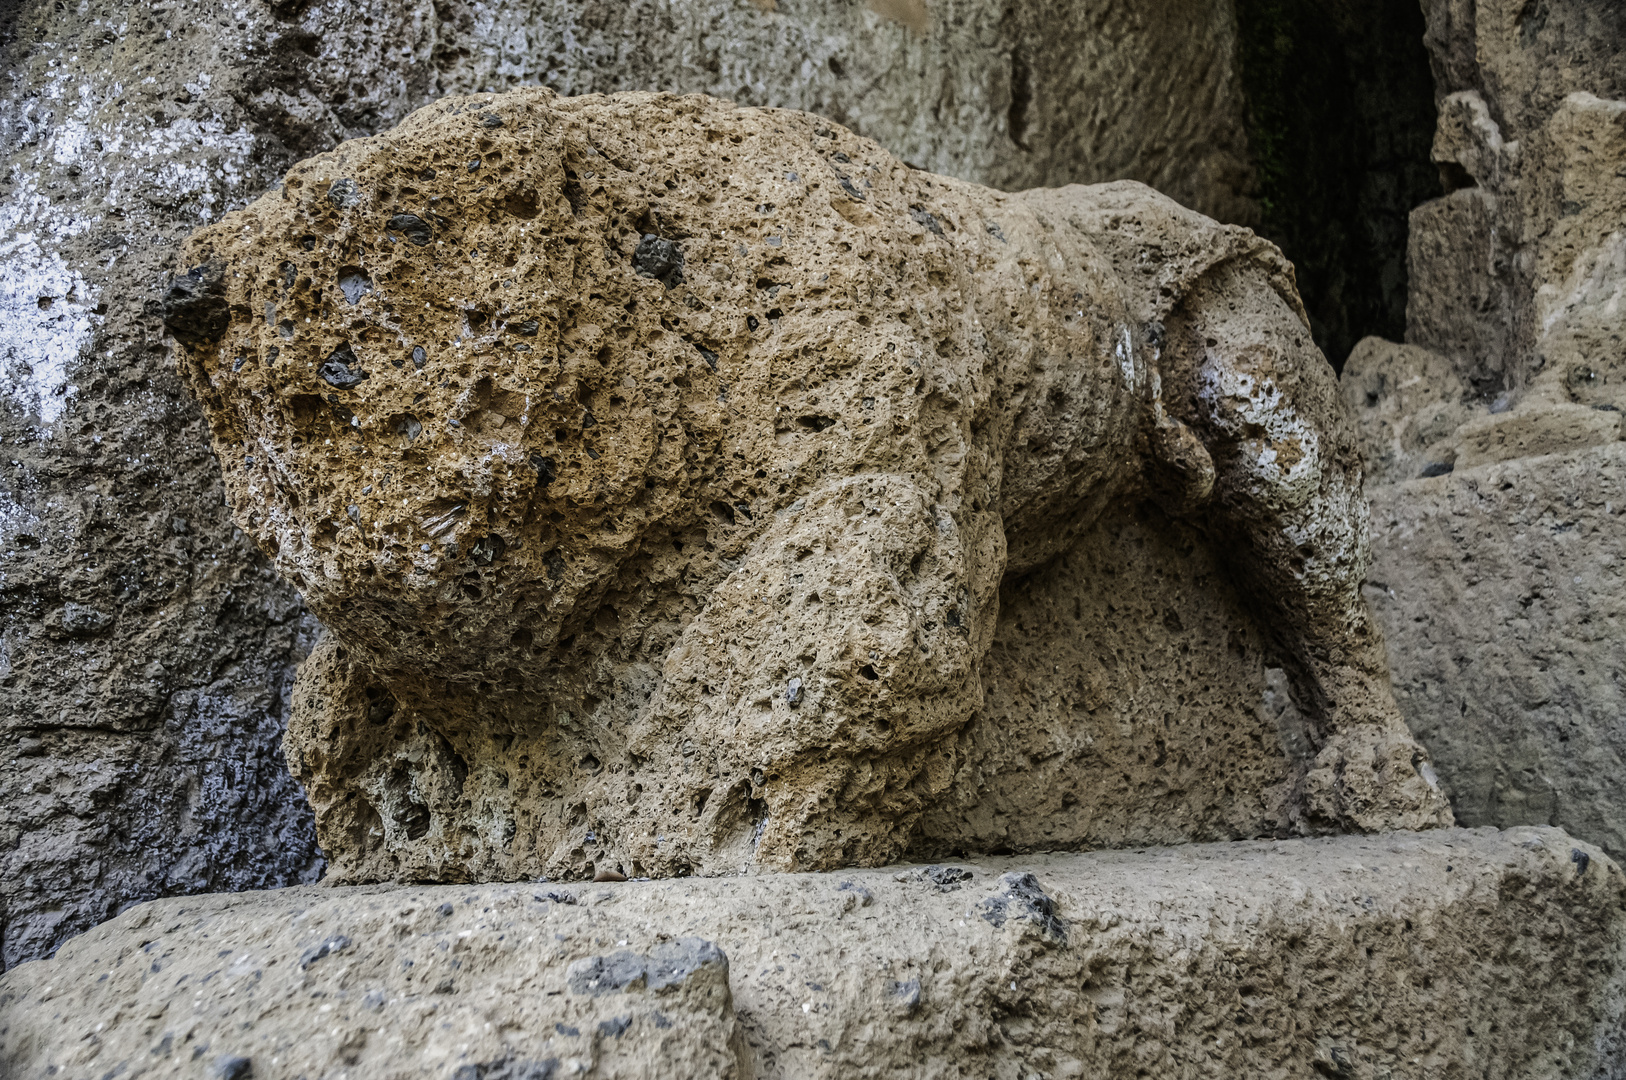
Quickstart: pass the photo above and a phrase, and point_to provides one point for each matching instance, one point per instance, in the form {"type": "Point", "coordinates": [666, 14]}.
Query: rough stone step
{"type": "Point", "coordinates": [1455, 953]}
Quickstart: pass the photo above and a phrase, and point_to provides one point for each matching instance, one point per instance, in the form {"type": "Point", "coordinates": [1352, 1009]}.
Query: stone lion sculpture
{"type": "Point", "coordinates": [655, 465]}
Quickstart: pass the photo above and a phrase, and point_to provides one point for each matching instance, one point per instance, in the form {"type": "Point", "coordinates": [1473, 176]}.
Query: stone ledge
{"type": "Point", "coordinates": [1448, 953]}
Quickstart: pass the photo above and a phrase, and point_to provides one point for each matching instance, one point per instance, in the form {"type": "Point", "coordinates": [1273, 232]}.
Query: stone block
{"type": "Point", "coordinates": [1502, 594]}
{"type": "Point", "coordinates": [1451, 953]}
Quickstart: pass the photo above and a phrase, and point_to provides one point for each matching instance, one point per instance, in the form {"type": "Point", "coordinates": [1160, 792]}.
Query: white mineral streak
{"type": "Point", "coordinates": [45, 305]}
{"type": "Point", "coordinates": [45, 310]}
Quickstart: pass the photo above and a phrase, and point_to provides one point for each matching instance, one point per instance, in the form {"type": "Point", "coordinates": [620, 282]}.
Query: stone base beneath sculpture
{"type": "Point", "coordinates": [1455, 952]}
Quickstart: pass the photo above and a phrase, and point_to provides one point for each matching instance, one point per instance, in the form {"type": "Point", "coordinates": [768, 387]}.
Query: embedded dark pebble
{"type": "Point", "coordinates": [445, 909]}
{"type": "Point", "coordinates": [289, 273]}
{"type": "Point", "coordinates": [509, 1068]}
{"type": "Point", "coordinates": [415, 228]}
{"type": "Point", "coordinates": [847, 186]}
{"type": "Point", "coordinates": [923, 218]}
{"type": "Point", "coordinates": [194, 305]}
{"type": "Point", "coordinates": [709, 357]}
{"type": "Point", "coordinates": [547, 470]}
{"type": "Point", "coordinates": [344, 194]}
{"type": "Point", "coordinates": [491, 120]}
{"type": "Point", "coordinates": [474, 165]}
{"type": "Point", "coordinates": [947, 878]}
{"type": "Point", "coordinates": [234, 1068]}
{"type": "Point", "coordinates": [567, 1031]}
{"type": "Point", "coordinates": [659, 259]}
{"type": "Point", "coordinates": [354, 283]}
{"type": "Point", "coordinates": [1437, 468]}
{"type": "Point", "coordinates": [907, 992]}
{"type": "Point", "coordinates": [336, 944]}
{"type": "Point", "coordinates": [1023, 898]}
{"type": "Point", "coordinates": [489, 549]}
{"type": "Point", "coordinates": [1581, 860]}
{"type": "Point", "coordinates": [995, 231]}
{"type": "Point", "coordinates": [668, 964]}
{"type": "Point", "coordinates": [752, 322]}
{"type": "Point", "coordinates": [527, 328]}
{"type": "Point", "coordinates": [616, 1025]}
{"type": "Point", "coordinates": [418, 356]}
{"type": "Point", "coordinates": [342, 369]}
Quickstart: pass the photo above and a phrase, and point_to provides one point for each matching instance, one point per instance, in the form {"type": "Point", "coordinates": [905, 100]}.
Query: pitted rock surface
{"type": "Point", "coordinates": [1448, 953]}
{"type": "Point", "coordinates": [657, 465]}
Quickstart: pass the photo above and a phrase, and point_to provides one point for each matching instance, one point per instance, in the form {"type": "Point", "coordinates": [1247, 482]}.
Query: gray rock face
{"type": "Point", "coordinates": [1496, 570]}
{"type": "Point", "coordinates": [145, 649]}
{"type": "Point", "coordinates": [1502, 590]}
{"type": "Point", "coordinates": [1408, 403]}
{"type": "Point", "coordinates": [1353, 957]}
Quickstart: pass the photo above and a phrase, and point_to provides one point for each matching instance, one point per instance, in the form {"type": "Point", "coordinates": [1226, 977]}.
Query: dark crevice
{"type": "Point", "coordinates": [1340, 121]}
{"type": "Point", "coordinates": [1021, 100]}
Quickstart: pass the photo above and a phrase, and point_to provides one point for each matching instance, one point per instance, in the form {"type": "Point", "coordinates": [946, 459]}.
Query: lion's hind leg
{"type": "Point", "coordinates": [1287, 508]}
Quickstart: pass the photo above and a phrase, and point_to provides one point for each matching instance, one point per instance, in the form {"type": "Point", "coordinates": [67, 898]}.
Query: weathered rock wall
{"type": "Point", "coordinates": [145, 649]}
{"type": "Point", "coordinates": [1493, 435]}
{"type": "Point", "coordinates": [1452, 954]}
{"type": "Point", "coordinates": [1503, 591]}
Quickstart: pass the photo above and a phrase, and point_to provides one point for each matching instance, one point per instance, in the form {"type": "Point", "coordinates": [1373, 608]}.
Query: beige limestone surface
{"type": "Point", "coordinates": [1451, 954]}
{"type": "Point", "coordinates": [657, 466]}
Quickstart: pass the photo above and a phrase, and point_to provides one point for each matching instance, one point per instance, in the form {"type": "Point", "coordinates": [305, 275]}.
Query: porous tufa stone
{"type": "Point", "coordinates": [686, 429]}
